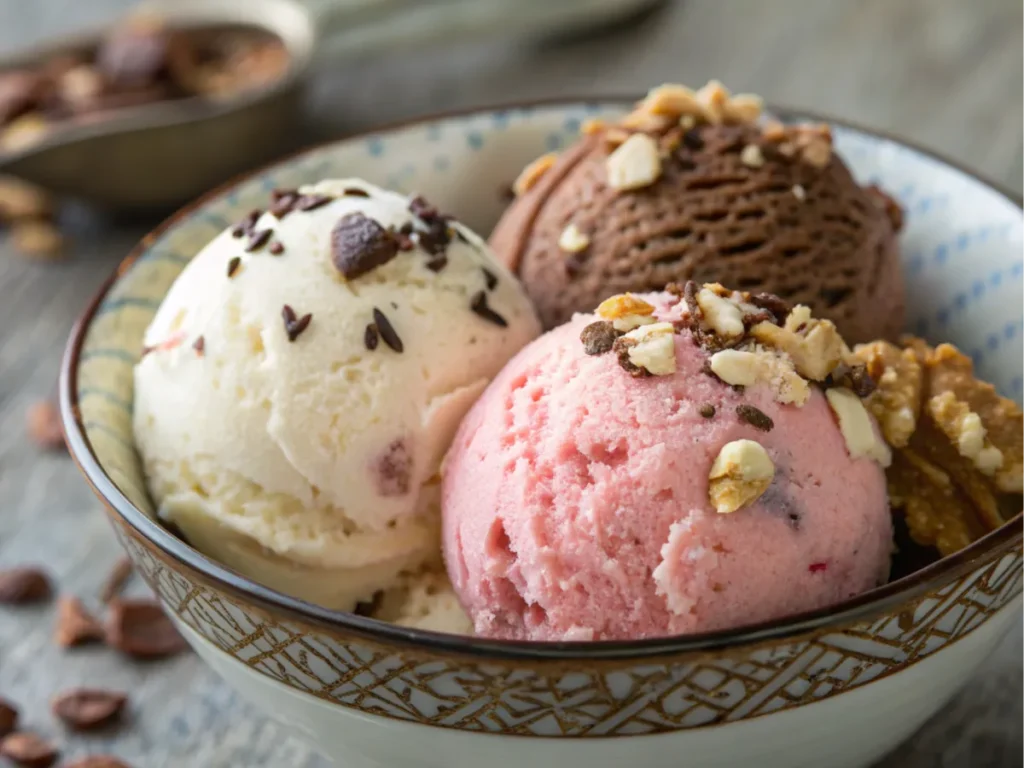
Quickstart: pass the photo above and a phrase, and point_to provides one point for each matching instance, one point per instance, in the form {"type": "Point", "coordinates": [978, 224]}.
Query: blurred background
{"type": "Point", "coordinates": [942, 73]}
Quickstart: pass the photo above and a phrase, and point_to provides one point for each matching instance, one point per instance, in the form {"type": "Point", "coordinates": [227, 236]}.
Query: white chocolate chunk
{"type": "Point", "coordinates": [635, 164]}
{"type": "Point", "coordinates": [857, 427]}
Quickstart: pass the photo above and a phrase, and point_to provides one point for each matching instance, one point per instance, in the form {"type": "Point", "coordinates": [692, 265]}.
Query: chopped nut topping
{"type": "Point", "coordinates": [635, 164]}
{"type": "Point", "coordinates": [740, 474]}
{"type": "Point", "coordinates": [896, 400]}
{"type": "Point", "coordinates": [752, 156]}
{"type": "Point", "coordinates": [626, 312]}
{"type": "Point", "coordinates": [646, 122]}
{"type": "Point", "coordinates": [572, 240]}
{"type": "Point", "coordinates": [531, 174]}
{"type": "Point", "coordinates": [745, 368]}
{"type": "Point", "coordinates": [964, 428]}
{"type": "Point", "coordinates": [652, 348]}
{"type": "Point", "coordinates": [856, 426]}
{"type": "Point", "coordinates": [615, 136]}
{"type": "Point", "coordinates": [799, 192]}
{"type": "Point", "coordinates": [723, 316]}
{"type": "Point", "coordinates": [814, 346]}
{"type": "Point", "coordinates": [673, 101]}
{"type": "Point", "coordinates": [598, 337]}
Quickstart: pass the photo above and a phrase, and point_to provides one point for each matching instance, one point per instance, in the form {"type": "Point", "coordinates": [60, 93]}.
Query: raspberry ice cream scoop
{"type": "Point", "coordinates": [675, 464]}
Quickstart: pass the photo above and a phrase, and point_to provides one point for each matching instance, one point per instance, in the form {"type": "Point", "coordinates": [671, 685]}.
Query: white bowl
{"type": "Point", "coordinates": [838, 687]}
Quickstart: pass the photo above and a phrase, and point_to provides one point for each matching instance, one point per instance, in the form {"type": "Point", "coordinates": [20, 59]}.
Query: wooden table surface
{"type": "Point", "coordinates": [944, 73]}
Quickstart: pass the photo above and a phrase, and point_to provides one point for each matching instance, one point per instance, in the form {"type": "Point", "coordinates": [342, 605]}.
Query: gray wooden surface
{"type": "Point", "coordinates": [943, 72]}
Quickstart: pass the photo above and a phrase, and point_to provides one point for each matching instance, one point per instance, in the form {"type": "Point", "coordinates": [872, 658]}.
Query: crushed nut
{"type": "Point", "coordinates": [652, 348]}
{"type": "Point", "coordinates": [646, 122]}
{"type": "Point", "coordinates": [572, 240]}
{"type": "Point", "coordinates": [752, 156]}
{"type": "Point", "coordinates": [531, 174]}
{"type": "Point", "coordinates": [635, 164]}
{"type": "Point", "coordinates": [857, 427]}
{"type": "Point", "coordinates": [814, 346]}
{"type": "Point", "coordinates": [896, 401]}
{"type": "Point", "coordinates": [675, 101]}
{"type": "Point", "coordinates": [745, 368]}
{"type": "Point", "coordinates": [713, 97]}
{"type": "Point", "coordinates": [740, 474]}
{"type": "Point", "coordinates": [721, 314]}
{"type": "Point", "coordinates": [964, 429]}
{"type": "Point", "coordinates": [626, 312]}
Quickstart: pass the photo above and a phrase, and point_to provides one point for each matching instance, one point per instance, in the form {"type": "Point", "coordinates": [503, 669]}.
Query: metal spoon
{"type": "Point", "coordinates": [164, 153]}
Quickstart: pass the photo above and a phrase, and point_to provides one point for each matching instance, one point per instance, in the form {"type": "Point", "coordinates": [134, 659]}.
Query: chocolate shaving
{"type": "Point", "coordinates": [258, 239]}
{"type": "Point", "coordinates": [75, 625]}
{"type": "Point", "coordinates": [779, 308]}
{"type": "Point", "coordinates": [28, 750]}
{"type": "Point", "coordinates": [755, 417]}
{"type": "Point", "coordinates": [233, 265]}
{"type": "Point", "coordinates": [312, 202]}
{"type": "Point", "coordinates": [371, 337]}
{"type": "Point", "coordinates": [199, 345]}
{"type": "Point", "coordinates": [246, 225]}
{"type": "Point", "coordinates": [598, 337]}
{"type": "Point", "coordinates": [23, 585]}
{"type": "Point", "coordinates": [276, 248]}
{"type": "Point", "coordinates": [387, 331]}
{"type": "Point", "coordinates": [437, 263]}
{"type": "Point", "coordinates": [707, 411]}
{"type": "Point", "coordinates": [284, 202]}
{"type": "Point", "coordinates": [491, 278]}
{"type": "Point", "coordinates": [116, 579]}
{"type": "Point", "coordinates": [478, 304]}
{"type": "Point", "coordinates": [359, 245]}
{"type": "Point", "coordinates": [8, 717]}
{"type": "Point", "coordinates": [294, 325]}
{"type": "Point", "coordinates": [84, 709]}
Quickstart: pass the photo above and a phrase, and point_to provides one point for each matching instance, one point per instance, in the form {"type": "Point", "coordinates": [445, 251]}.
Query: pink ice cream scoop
{"type": "Point", "coordinates": [576, 499]}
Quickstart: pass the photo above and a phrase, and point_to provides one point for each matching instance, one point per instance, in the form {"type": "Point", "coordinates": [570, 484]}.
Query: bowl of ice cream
{"type": "Point", "coordinates": [654, 549]}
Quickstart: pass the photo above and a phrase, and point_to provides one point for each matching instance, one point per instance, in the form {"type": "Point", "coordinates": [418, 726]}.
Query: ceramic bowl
{"type": "Point", "coordinates": [843, 685]}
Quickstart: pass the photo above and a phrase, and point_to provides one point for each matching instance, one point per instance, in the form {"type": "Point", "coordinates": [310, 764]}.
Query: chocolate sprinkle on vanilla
{"type": "Point", "coordinates": [371, 337]}
{"type": "Point", "coordinates": [707, 411]}
{"type": "Point", "coordinates": [491, 278]}
{"type": "Point", "coordinates": [387, 331]}
{"type": "Point", "coordinates": [312, 202]}
{"type": "Point", "coordinates": [355, 192]}
{"type": "Point", "coordinates": [359, 245]}
{"type": "Point", "coordinates": [755, 417]}
{"type": "Point", "coordinates": [478, 305]}
{"type": "Point", "coordinates": [276, 248]}
{"type": "Point", "coordinates": [233, 265]}
{"type": "Point", "coordinates": [437, 263]}
{"type": "Point", "coordinates": [199, 345]}
{"type": "Point", "coordinates": [246, 225]}
{"type": "Point", "coordinates": [258, 239]}
{"type": "Point", "coordinates": [284, 202]}
{"type": "Point", "coordinates": [294, 325]}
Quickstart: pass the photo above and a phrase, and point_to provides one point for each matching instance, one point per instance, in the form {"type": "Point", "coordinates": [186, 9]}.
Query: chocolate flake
{"type": "Point", "coordinates": [276, 248]}
{"type": "Point", "coordinates": [199, 345]}
{"type": "Point", "coordinates": [435, 239]}
{"type": "Point", "coordinates": [491, 278]}
{"type": "Point", "coordinates": [707, 411]}
{"type": "Point", "coordinates": [769, 301]}
{"type": "Point", "coordinates": [355, 192]}
{"type": "Point", "coordinates": [23, 585]}
{"type": "Point", "coordinates": [312, 202]}
{"type": "Point", "coordinates": [294, 325]}
{"type": "Point", "coordinates": [598, 337]}
{"type": "Point", "coordinates": [755, 417]}
{"type": "Point", "coordinates": [258, 239]}
{"type": "Point", "coordinates": [359, 245]}
{"type": "Point", "coordinates": [246, 225]}
{"type": "Point", "coordinates": [233, 265]}
{"type": "Point", "coordinates": [394, 470]}
{"type": "Point", "coordinates": [371, 337]}
{"type": "Point", "coordinates": [387, 331]}
{"type": "Point", "coordinates": [75, 625]}
{"type": "Point", "coordinates": [284, 202]}
{"type": "Point", "coordinates": [437, 263]}
{"type": "Point", "coordinates": [84, 709]}
{"type": "Point", "coordinates": [478, 304]}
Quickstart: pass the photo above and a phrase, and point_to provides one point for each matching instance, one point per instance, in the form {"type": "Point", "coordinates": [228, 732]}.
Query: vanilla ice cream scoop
{"type": "Point", "coordinates": [304, 377]}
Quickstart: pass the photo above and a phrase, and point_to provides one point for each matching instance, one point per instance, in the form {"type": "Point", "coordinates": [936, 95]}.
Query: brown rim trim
{"type": "Point", "coordinates": [860, 608]}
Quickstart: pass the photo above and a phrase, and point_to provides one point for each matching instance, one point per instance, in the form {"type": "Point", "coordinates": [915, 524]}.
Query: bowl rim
{"type": "Point", "coordinates": [279, 605]}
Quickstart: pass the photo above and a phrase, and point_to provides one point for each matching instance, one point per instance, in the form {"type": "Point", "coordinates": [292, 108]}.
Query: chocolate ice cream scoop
{"type": "Point", "coordinates": [691, 186]}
